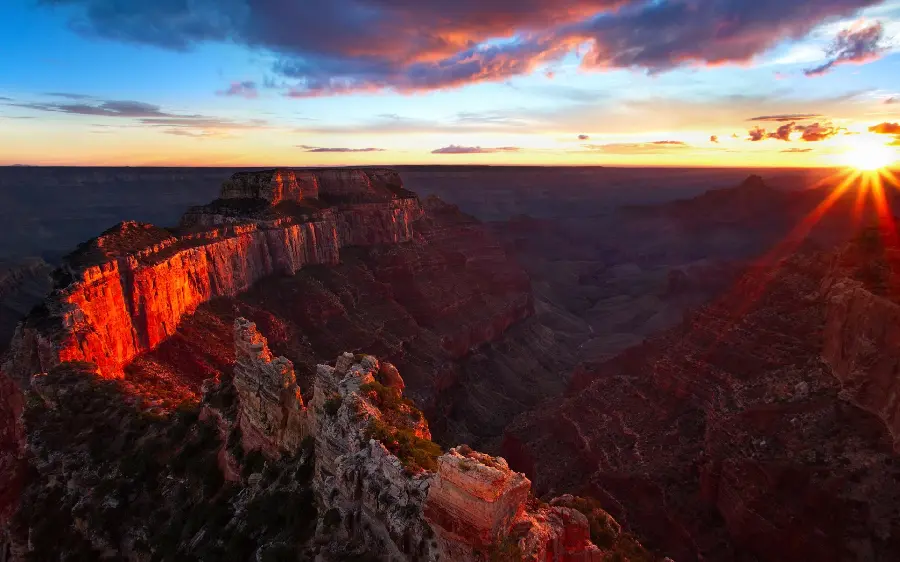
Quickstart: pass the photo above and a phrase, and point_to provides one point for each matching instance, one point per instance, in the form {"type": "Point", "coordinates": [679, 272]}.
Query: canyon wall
{"type": "Point", "coordinates": [128, 289]}
{"type": "Point", "coordinates": [379, 477]}
{"type": "Point", "coordinates": [862, 347]}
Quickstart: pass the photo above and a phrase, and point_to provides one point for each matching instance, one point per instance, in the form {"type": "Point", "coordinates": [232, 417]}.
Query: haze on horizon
{"type": "Point", "coordinates": [352, 82]}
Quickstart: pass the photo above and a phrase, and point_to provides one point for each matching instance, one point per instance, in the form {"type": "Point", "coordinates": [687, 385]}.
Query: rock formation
{"type": "Point", "coordinates": [127, 290]}
{"type": "Point", "coordinates": [862, 347]}
{"type": "Point", "coordinates": [271, 414]}
{"type": "Point", "coordinates": [376, 479]}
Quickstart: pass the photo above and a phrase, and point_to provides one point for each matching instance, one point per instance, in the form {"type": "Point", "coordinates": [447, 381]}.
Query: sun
{"type": "Point", "coordinates": [868, 155]}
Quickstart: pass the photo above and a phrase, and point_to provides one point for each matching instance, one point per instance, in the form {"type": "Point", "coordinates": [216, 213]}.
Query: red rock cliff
{"type": "Point", "coordinates": [129, 288]}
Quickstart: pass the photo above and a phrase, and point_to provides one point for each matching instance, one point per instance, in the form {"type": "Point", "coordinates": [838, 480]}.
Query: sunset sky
{"type": "Point", "coordinates": [322, 82]}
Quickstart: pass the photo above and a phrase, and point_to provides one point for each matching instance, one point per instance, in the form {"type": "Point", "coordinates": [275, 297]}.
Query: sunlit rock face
{"type": "Point", "coordinates": [126, 291]}
{"type": "Point", "coordinates": [276, 186]}
{"type": "Point", "coordinates": [271, 414]}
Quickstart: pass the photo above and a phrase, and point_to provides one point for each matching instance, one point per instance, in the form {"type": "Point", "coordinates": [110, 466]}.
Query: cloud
{"type": "Point", "coordinates": [787, 117]}
{"type": "Point", "coordinates": [655, 147]}
{"type": "Point", "coordinates": [796, 150]}
{"type": "Point", "coordinates": [148, 115]}
{"type": "Point", "coordinates": [5, 99]}
{"type": "Point", "coordinates": [714, 138]}
{"type": "Point", "coordinates": [810, 133]}
{"type": "Point", "coordinates": [783, 132]}
{"type": "Point", "coordinates": [816, 132]}
{"type": "Point", "coordinates": [456, 149]}
{"type": "Point", "coordinates": [890, 101]}
{"type": "Point", "coordinates": [330, 47]}
{"type": "Point", "coordinates": [858, 44]}
{"type": "Point", "coordinates": [129, 109]}
{"type": "Point", "coordinates": [584, 137]}
{"type": "Point", "coordinates": [658, 36]}
{"type": "Point", "coordinates": [69, 96]}
{"type": "Point", "coordinates": [307, 148]}
{"type": "Point", "coordinates": [246, 89]}
{"type": "Point", "coordinates": [189, 133]}
{"type": "Point", "coordinates": [886, 129]}
{"type": "Point", "coordinates": [757, 134]}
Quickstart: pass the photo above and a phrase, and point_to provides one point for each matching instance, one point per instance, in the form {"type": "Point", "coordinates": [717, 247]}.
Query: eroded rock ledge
{"type": "Point", "coordinates": [126, 291]}
{"type": "Point", "coordinates": [380, 480]}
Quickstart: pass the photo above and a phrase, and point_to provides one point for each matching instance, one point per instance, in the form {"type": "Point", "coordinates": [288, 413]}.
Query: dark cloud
{"type": "Point", "coordinates": [69, 96]}
{"type": "Point", "coordinates": [783, 132]}
{"type": "Point", "coordinates": [886, 129]}
{"type": "Point", "coordinates": [787, 117]}
{"type": "Point", "coordinates": [149, 115]}
{"type": "Point", "coordinates": [131, 109]}
{"type": "Point", "coordinates": [810, 133]}
{"type": "Point", "coordinates": [328, 47]}
{"type": "Point", "coordinates": [757, 134]}
{"type": "Point", "coordinates": [858, 44]}
{"type": "Point", "coordinates": [307, 148]}
{"type": "Point", "coordinates": [816, 132]}
{"type": "Point", "coordinates": [669, 142]}
{"type": "Point", "coordinates": [456, 149]}
{"type": "Point", "coordinates": [890, 101]}
{"type": "Point", "coordinates": [662, 35]}
{"type": "Point", "coordinates": [584, 137]}
{"type": "Point", "coordinates": [714, 138]}
{"type": "Point", "coordinates": [246, 89]}
{"type": "Point", "coordinates": [5, 99]}
{"type": "Point", "coordinates": [796, 150]}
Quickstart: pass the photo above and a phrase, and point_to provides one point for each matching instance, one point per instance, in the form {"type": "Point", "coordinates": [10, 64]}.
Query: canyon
{"type": "Point", "coordinates": [710, 378]}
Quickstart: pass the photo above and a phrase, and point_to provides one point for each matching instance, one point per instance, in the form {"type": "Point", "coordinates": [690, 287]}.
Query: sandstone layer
{"type": "Point", "coordinates": [126, 291]}
{"type": "Point", "coordinates": [271, 414]}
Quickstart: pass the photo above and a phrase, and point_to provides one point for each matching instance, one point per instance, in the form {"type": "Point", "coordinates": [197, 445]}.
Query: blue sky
{"type": "Point", "coordinates": [148, 84]}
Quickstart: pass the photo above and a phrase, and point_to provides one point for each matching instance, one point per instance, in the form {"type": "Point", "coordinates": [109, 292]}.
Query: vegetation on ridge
{"type": "Point", "coordinates": [396, 429]}
{"type": "Point", "coordinates": [113, 478]}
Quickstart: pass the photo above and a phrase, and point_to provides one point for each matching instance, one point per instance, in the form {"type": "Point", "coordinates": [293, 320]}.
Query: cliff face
{"type": "Point", "coordinates": [130, 288]}
{"type": "Point", "coordinates": [271, 414]}
{"type": "Point", "coordinates": [276, 186]}
{"type": "Point", "coordinates": [862, 346]}
{"type": "Point", "coordinates": [449, 308]}
{"type": "Point", "coordinates": [401, 497]}
{"type": "Point", "coordinates": [729, 436]}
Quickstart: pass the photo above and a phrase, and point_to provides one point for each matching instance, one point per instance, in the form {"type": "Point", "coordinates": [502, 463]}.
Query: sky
{"type": "Point", "coordinates": [352, 82]}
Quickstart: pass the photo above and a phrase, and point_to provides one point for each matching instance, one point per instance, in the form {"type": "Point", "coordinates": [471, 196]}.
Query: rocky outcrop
{"type": "Point", "coordinates": [271, 414]}
{"type": "Point", "coordinates": [862, 346]}
{"type": "Point", "coordinates": [397, 493]}
{"type": "Point", "coordinates": [280, 185]}
{"type": "Point", "coordinates": [126, 291]}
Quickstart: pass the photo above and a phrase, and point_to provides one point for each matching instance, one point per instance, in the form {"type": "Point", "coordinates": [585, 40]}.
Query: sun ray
{"type": "Point", "coordinates": [744, 297]}
{"type": "Point", "coordinates": [859, 206]}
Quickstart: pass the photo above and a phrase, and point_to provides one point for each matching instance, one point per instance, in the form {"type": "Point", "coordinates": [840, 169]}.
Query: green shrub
{"type": "Point", "coordinates": [414, 452]}
{"type": "Point", "coordinates": [333, 404]}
